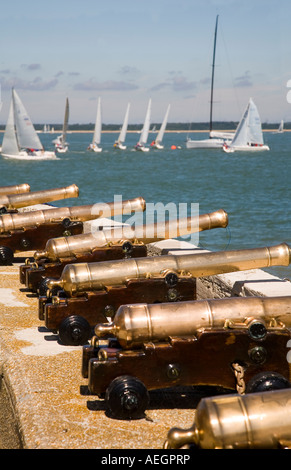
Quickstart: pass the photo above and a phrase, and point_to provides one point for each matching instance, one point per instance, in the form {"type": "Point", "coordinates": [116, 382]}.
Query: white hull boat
{"type": "Point", "coordinates": [157, 146]}
{"type": "Point", "coordinates": [60, 148]}
{"type": "Point", "coordinates": [35, 156]}
{"type": "Point", "coordinates": [94, 146]}
{"type": "Point", "coordinates": [20, 141]}
{"type": "Point", "coordinates": [216, 139]}
{"type": "Point", "coordinates": [61, 145]}
{"type": "Point", "coordinates": [141, 148]}
{"type": "Point", "coordinates": [248, 136]}
{"type": "Point", "coordinates": [280, 128]}
{"type": "Point", "coordinates": [119, 143]}
{"type": "Point", "coordinates": [141, 145]}
{"type": "Point", "coordinates": [204, 144]}
{"type": "Point", "coordinates": [245, 148]}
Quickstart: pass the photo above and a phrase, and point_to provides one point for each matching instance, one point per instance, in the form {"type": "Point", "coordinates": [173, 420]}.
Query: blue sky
{"type": "Point", "coordinates": [131, 50]}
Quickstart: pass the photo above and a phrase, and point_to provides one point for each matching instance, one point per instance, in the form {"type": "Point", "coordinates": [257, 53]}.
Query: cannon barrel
{"type": "Point", "coordinates": [138, 323]}
{"type": "Point", "coordinates": [21, 220]}
{"type": "Point", "coordinates": [259, 420]}
{"type": "Point", "coordinates": [84, 277]}
{"type": "Point", "coordinates": [16, 201]}
{"type": "Point", "coordinates": [15, 189]}
{"type": "Point", "coordinates": [63, 247]}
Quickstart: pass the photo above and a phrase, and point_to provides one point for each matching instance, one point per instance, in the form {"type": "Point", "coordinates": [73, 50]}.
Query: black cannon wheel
{"type": "Point", "coordinates": [266, 381]}
{"type": "Point", "coordinates": [74, 331]}
{"type": "Point", "coordinates": [6, 256]}
{"type": "Point", "coordinates": [127, 397]}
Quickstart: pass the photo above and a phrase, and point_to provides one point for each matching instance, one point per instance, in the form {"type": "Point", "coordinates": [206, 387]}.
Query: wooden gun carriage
{"type": "Point", "coordinates": [75, 301]}
{"type": "Point", "coordinates": [238, 344]}
{"type": "Point", "coordinates": [115, 243]}
{"type": "Point", "coordinates": [27, 231]}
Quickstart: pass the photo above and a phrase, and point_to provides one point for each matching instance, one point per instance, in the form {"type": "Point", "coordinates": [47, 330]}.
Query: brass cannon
{"type": "Point", "coordinates": [28, 231]}
{"type": "Point", "coordinates": [260, 420]}
{"type": "Point", "coordinates": [90, 293]}
{"type": "Point", "coordinates": [16, 201]}
{"type": "Point", "coordinates": [14, 189]}
{"type": "Point", "coordinates": [238, 344]}
{"type": "Point", "coordinates": [115, 243]}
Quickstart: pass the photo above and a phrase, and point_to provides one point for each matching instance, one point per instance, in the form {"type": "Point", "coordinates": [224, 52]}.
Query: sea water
{"type": "Point", "coordinates": [252, 187]}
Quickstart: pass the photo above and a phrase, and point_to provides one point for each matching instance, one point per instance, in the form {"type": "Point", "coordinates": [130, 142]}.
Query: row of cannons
{"type": "Point", "coordinates": [140, 325]}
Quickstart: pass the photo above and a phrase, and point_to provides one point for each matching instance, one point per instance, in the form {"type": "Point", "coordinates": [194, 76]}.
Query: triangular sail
{"type": "Point", "coordinates": [281, 126]}
{"type": "Point", "coordinates": [249, 130]}
{"type": "Point", "coordinates": [66, 121]}
{"type": "Point", "coordinates": [9, 144]}
{"type": "Point", "coordinates": [26, 134]}
{"type": "Point", "coordinates": [145, 131]}
{"type": "Point", "coordinates": [163, 127]}
{"type": "Point", "coordinates": [98, 124]}
{"type": "Point", "coordinates": [123, 131]}
{"type": "Point", "coordinates": [240, 136]}
{"type": "Point", "coordinates": [255, 134]}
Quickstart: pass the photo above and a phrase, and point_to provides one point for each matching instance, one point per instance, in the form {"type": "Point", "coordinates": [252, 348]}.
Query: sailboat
{"type": "Point", "coordinates": [97, 131]}
{"type": "Point", "coordinates": [60, 142]}
{"type": "Point", "coordinates": [20, 139]}
{"type": "Point", "coordinates": [248, 135]}
{"type": "Point", "coordinates": [216, 139]}
{"type": "Point", "coordinates": [280, 129]}
{"type": "Point", "coordinates": [141, 145]}
{"type": "Point", "coordinates": [119, 143]}
{"type": "Point", "coordinates": [158, 142]}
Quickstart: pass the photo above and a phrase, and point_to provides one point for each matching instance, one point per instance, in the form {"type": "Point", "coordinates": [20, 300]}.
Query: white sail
{"type": "Point", "coordinates": [120, 141]}
{"type": "Point", "coordinates": [66, 122]}
{"type": "Point", "coordinates": [124, 126]}
{"type": "Point", "coordinates": [161, 132]}
{"type": "Point", "coordinates": [248, 135]}
{"type": "Point", "coordinates": [20, 140]}
{"type": "Point", "coordinates": [10, 144]}
{"type": "Point", "coordinates": [98, 124]}
{"type": "Point", "coordinates": [26, 134]}
{"type": "Point", "coordinates": [60, 142]}
{"type": "Point", "coordinates": [280, 128]}
{"type": "Point", "coordinates": [146, 127]}
{"type": "Point", "coordinates": [145, 130]}
{"type": "Point", "coordinates": [97, 130]}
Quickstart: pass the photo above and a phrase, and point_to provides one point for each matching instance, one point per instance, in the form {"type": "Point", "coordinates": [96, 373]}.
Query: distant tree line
{"type": "Point", "coordinates": [171, 126]}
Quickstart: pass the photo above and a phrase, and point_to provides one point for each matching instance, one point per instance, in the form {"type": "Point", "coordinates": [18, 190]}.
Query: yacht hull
{"type": "Point", "coordinates": [207, 144]}
{"type": "Point", "coordinates": [38, 156]}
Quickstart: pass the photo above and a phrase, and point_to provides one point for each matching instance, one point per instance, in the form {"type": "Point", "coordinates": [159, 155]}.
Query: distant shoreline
{"type": "Point", "coordinates": [151, 132]}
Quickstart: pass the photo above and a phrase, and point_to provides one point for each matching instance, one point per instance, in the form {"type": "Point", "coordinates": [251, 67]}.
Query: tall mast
{"type": "Point", "coordinates": [212, 78]}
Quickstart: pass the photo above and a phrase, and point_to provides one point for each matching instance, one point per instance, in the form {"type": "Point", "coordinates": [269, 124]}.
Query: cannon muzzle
{"type": "Point", "coordinates": [83, 277]}
{"type": "Point", "coordinates": [63, 247]}
{"type": "Point", "coordinates": [9, 222]}
{"type": "Point", "coordinates": [138, 323]}
{"type": "Point", "coordinates": [16, 201]}
{"type": "Point", "coordinates": [15, 189]}
{"type": "Point", "coordinates": [259, 420]}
